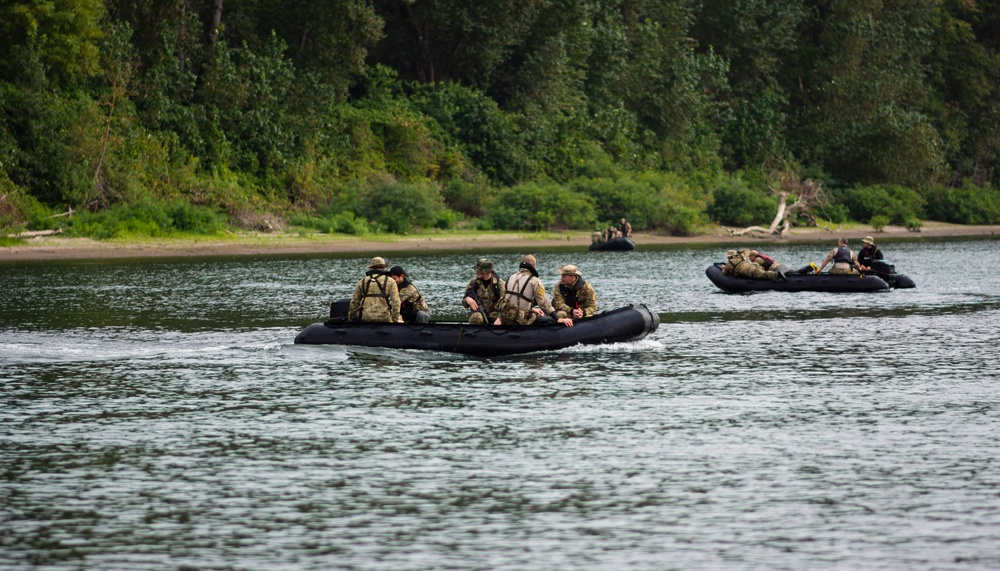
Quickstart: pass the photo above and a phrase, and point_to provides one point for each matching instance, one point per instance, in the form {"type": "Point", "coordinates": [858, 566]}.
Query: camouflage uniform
{"type": "Point", "coordinates": [769, 263]}
{"type": "Point", "coordinates": [842, 267]}
{"type": "Point", "coordinates": [524, 291]}
{"type": "Point", "coordinates": [488, 293]}
{"type": "Point", "coordinates": [597, 237]}
{"type": "Point", "coordinates": [624, 229]}
{"type": "Point", "coordinates": [738, 264]}
{"type": "Point", "coordinates": [580, 295]}
{"type": "Point", "coordinates": [375, 299]}
{"type": "Point", "coordinates": [411, 302]}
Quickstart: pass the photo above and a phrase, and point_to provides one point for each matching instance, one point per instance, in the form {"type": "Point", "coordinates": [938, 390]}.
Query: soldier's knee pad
{"type": "Point", "coordinates": [476, 318]}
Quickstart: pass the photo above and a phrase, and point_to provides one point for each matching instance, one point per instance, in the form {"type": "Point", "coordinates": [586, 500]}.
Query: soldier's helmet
{"type": "Point", "coordinates": [754, 253]}
{"type": "Point", "coordinates": [483, 265]}
{"type": "Point", "coordinates": [730, 253]}
{"type": "Point", "coordinates": [377, 262]}
{"type": "Point", "coordinates": [530, 260]}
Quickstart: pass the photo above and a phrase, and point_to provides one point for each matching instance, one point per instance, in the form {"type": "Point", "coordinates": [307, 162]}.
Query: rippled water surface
{"type": "Point", "coordinates": [156, 415]}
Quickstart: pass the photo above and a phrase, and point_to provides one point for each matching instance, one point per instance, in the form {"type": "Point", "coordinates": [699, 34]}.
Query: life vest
{"type": "Point", "coordinates": [843, 256]}
{"type": "Point", "coordinates": [571, 293]}
{"type": "Point", "coordinates": [766, 261]}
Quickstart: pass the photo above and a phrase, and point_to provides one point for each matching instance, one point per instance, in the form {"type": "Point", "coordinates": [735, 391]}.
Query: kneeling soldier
{"type": "Point", "coordinates": [572, 296]}
{"type": "Point", "coordinates": [412, 307]}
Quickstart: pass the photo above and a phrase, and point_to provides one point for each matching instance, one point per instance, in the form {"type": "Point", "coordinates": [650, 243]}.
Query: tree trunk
{"type": "Point", "coordinates": [780, 215]}
{"type": "Point", "coordinates": [422, 48]}
{"type": "Point", "coordinates": [181, 34]}
{"type": "Point", "coordinates": [213, 33]}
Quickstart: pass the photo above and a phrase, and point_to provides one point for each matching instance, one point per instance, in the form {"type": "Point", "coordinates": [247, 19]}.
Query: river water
{"type": "Point", "coordinates": [156, 415]}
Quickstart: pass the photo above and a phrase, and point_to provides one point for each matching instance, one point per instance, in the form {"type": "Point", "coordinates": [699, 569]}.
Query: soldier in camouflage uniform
{"type": "Point", "coordinates": [597, 236]}
{"type": "Point", "coordinates": [768, 263]}
{"type": "Point", "coordinates": [739, 264]}
{"type": "Point", "coordinates": [412, 307]}
{"type": "Point", "coordinates": [488, 289]}
{"type": "Point", "coordinates": [376, 297]}
{"type": "Point", "coordinates": [625, 229]}
{"type": "Point", "coordinates": [573, 296]}
{"type": "Point", "coordinates": [524, 292]}
{"type": "Point", "coordinates": [844, 260]}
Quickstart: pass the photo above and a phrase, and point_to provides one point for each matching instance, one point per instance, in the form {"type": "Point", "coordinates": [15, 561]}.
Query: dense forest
{"type": "Point", "coordinates": [124, 117]}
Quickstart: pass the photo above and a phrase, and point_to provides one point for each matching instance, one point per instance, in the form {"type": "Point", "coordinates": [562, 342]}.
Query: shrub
{"type": "Point", "coordinates": [146, 218]}
{"type": "Point", "coordinates": [465, 197]}
{"type": "Point", "coordinates": [616, 198]}
{"type": "Point", "coordinates": [894, 202]}
{"type": "Point", "coordinates": [879, 222]}
{"type": "Point", "coordinates": [401, 207]}
{"type": "Point", "coordinates": [736, 204]}
{"type": "Point", "coordinates": [968, 204]}
{"type": "Point", "coordinates": [340, 222]}
{"type": "Point", "coordinates": [836, 213]}
{"type": "Point", "coordinates": [541, 206]}
{"type": "Point", "coordinates": [914, 225]}
{"type": "Point", "coordinates": [678, 207]}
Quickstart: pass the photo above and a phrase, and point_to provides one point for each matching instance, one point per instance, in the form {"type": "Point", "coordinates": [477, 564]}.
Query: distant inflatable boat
{"type": "Point", "coordinates": [796, 282]}
{"type": "Point", "coordinates": [613, 245]}
{"type": "Point", "coordinates": [628, 323]}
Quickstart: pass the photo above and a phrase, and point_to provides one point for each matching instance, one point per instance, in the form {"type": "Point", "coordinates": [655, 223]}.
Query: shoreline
{"type": "Point", "coordinates": [57, 248]}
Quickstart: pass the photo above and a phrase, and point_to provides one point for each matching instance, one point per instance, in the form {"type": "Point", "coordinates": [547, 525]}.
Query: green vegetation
{"type": "Point", "coordinates": [164, 118]}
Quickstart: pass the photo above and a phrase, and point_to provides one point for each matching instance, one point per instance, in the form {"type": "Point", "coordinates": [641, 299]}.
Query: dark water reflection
{"type": "Point", "coordinates": [156, 415]}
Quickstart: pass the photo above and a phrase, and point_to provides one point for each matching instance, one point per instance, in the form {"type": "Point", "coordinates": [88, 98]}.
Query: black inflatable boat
{"type": "Point", "coordinates": [629, 323]}
{"type": "Point", "coordinates": [613, 245]}
{"type": "Point", "coordinates": [796, 282]}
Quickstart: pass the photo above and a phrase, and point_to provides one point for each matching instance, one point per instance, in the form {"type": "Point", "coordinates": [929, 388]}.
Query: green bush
{"type": "Point", "coordinates": [541, 206]}
{"type": "Point", "coordinates": [968, 204]}
{"type": "Point", "coordinates": [465, 197]}
{"type": "Point", "coordinates": [736, 204]}
{"type": "Point", "coordinates": [616, 198]}
{"type": "Point", "coordinates": [894, 202]}
{"type": "Point", "coordinates": [836, 213]}
{"type": "Point", "coordinates": [340, 222]}
{"type": "Point", "coordinates": [399, 207]}
{"type": "Point", "coordinates": [146, 218]}
{"type": "Point", "coordinates": [678, 207]}
{"type": "Point", "coordinates": [879, 222]}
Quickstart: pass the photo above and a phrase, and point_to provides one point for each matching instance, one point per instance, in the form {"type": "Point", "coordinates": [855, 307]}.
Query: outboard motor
{"type": "Point", "coordinates": [339, 308]}
{"type": "Point", "coordinates": [883, 267]}
{"type": "Point", "coordinates": [887, 272]}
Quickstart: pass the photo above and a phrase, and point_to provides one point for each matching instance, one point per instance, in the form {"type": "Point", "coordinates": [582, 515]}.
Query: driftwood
{"type": "Point", "coordinates": [35, 233]}
{"type": "Point", "coordinates": [808, 195]}
{"type": "Point", "coordinates": [751, 231]}
{"type": "Point", "coordinates": [67, 213]}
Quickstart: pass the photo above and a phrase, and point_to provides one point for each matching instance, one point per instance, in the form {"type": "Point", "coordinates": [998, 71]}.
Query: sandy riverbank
{"type": "Point", "coordinates": [58, 248]}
